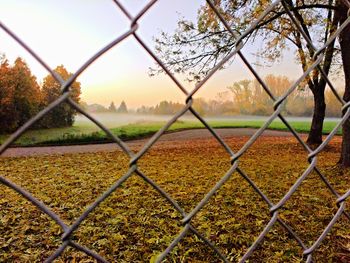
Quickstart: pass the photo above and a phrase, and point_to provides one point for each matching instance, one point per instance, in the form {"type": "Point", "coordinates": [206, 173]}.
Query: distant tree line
{"type": "Point", "coordinates": [247, 97]}
{"type": "Point", "coordinates": [202, 106]}
{"type": "Point", "coordinates": [163, 108]}
{"type": "Point", "coordinates": [98, 108]}
{"type": "Point", "coordinates": [21, 97]}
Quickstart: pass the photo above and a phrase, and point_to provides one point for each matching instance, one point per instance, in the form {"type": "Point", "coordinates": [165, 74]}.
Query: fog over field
{"type": "Point", "coordinates": [112, 120]}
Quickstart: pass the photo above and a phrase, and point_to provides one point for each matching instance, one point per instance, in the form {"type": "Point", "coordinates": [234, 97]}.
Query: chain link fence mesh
{"type": "Point", "coordinates": [135, 156]}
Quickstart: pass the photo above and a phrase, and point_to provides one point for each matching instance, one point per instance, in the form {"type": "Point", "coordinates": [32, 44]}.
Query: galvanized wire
{"type": "Point", "coordinates": [134, 170]}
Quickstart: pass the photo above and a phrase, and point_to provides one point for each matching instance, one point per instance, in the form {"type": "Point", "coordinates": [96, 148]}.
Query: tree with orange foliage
{"type": "Point", "coordinates": [6, 97]}
{"type": "Point", "coordinates": [63, 114]}
{"type": "Point", "coordinates": [19, 94]}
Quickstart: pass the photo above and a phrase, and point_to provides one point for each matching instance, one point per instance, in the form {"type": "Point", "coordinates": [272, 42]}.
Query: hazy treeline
{"type": "Point", "coordinates": [247, 97]}
{"type": "Point", "coordinates": [21, 97]}
{"type": "Point", "coordinates": [202, 106]}
{"type": "Point", "coordinates": [98, 108]}
{"type": "Point", "coordinates": [163, 108]}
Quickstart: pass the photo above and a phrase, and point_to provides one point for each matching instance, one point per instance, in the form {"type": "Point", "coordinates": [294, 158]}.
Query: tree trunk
{"type": "Point", "coordinates": [318, 86]}
{"type": "Point", "coordinates": [344, 40]}
{"type": "Point", "coordinates": [345, 149]}
{"type": "Point", "coordinates": [315, 134]}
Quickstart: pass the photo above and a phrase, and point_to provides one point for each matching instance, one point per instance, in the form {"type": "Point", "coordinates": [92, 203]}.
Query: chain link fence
{"type": "Point", "coordinates": [234, 167]}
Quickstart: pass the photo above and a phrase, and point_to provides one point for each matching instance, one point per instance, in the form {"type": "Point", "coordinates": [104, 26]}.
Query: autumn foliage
{"type": "Point", "coordinates": [21, 97]}
{"type": "Point", "coordinates": [62, 115]}
{"type": "Point", "coordinates": [136, 223]}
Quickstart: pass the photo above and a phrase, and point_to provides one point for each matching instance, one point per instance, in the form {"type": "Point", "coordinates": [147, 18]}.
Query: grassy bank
{"type": "Point", "coordinates": [90, 134]}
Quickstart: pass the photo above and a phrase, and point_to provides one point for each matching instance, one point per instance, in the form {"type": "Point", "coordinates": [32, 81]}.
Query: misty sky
{"type": "Point", "coordinates": [69, 32]}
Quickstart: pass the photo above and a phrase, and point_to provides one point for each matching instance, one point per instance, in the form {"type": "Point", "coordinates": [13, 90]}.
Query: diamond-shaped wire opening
{"type": "Point", "coordinates": [193, 162]}
{"type": "Point", "coordinates": [132, 224]}
{"type": "Point", "coordinates": [245, 216]}
{"type": "Point", "coordinates": [130, 126]}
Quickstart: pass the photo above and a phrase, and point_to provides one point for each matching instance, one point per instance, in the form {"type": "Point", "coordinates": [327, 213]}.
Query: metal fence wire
{"type": "Point", "coordinates": [135, 156]}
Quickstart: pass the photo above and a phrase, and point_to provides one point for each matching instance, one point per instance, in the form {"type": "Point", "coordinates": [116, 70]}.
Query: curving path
{"type": "Point", "coordinates": [195, 134]}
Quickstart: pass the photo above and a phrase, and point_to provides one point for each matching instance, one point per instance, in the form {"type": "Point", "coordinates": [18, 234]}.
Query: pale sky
{"type": "Point", "coordinates": [69, 32]}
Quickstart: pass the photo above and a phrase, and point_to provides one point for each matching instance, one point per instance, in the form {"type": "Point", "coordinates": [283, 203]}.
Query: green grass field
{"type": "Point", "coordinates": [83, 133]}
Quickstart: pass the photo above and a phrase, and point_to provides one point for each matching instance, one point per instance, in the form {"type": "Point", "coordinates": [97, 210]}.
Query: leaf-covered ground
{"type": "Point", "coordinates": [136, 223]}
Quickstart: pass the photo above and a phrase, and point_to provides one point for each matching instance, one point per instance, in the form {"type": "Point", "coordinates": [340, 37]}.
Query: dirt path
{"type": "Point", "coordinates": [197, 134]}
